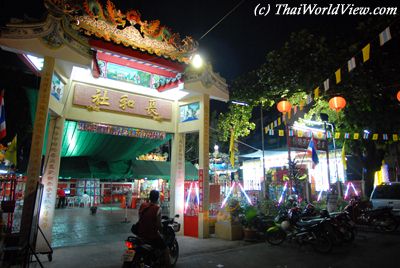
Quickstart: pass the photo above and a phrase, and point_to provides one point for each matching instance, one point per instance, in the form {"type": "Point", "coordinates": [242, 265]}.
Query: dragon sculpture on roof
{"type": "Point", "coordinates": [111, 24]}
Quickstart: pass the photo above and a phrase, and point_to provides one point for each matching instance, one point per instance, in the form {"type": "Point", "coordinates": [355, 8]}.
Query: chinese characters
{"type": "Point", "coordinates": [152, 110]}
{"type": "Point", "coordinates": [99, 100]}
{"type": "Point", "coordinates": [125, 102]}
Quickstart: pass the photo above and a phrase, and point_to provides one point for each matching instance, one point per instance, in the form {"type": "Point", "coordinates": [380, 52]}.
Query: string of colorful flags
{"type": "Point", "coordinates": [351, 64]}
{"type": "Point", "coordinates": [337, 135]}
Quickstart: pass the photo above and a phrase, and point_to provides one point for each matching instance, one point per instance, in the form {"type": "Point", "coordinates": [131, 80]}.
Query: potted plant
{"type": "Point", "coordinates": [228, 224]}
{"type": "Point", "coordinates": [248, 220]}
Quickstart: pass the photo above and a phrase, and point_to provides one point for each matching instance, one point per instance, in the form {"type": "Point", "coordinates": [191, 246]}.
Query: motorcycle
{"type": "Point", "coordinates": [288, 226]}
{"type": "Point", "coordinates": [140, 254]}
{"type": "Point", "coordinates": [345, 226]}
{"type": "Point", "coordinates": [381, 219]}
{"type": "Point", "coordinates": [341, 228]}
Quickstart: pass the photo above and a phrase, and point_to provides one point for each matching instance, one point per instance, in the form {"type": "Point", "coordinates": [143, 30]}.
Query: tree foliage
{"type": "Point", "coordinates": [237, 119]}
{"type": "Point", "coordinates": [306, 60]}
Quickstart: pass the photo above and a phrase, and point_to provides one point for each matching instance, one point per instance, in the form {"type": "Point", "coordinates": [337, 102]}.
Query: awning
{"type": "Point", "coordinates": [84, 167]}
{"type": "Point", "coordinates": [268, 153]}
{"type": "Point", "coordinates": [159, 169]}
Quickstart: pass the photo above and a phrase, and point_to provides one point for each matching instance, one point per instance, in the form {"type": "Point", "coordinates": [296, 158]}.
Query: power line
{"type": "Point", "coordinates": [224, 17]}
{"type": "Point", "coordinates": [238, 141]}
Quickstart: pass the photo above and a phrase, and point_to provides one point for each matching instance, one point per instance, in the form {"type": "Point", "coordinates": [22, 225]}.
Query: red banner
{"type": "Point", "coordinates": [303, 142]}
{"type": "Point", "coordinates": [201, 189]}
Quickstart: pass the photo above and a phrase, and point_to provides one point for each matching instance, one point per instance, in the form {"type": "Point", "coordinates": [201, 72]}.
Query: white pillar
{"type": "Point", "coordinates": [177, 199]}
{"type": "Point", "coordinates": [204, 140]}
{"type": "Point", "coordinates": [50, 181]}
{"type": "Point", "coordinates": [35, 155]}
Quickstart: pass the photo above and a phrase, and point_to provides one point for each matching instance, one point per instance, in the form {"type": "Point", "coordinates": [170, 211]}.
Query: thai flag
{"type": "Point", "coordinates": [2, 116]}
{"type": "Point", "coordinates": [311, 150]}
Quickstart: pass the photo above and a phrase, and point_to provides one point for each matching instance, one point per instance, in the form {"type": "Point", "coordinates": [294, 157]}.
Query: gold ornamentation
{"type": "Point", "coordinates": [110, 24]}
{"type": "Point", "coordinates": [124, 102]}
{"type": "Point", "coordinates": [152, 110]}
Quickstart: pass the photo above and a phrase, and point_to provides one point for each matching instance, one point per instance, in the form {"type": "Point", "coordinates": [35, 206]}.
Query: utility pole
{"type": "Point", "coordinates": [262, 148]}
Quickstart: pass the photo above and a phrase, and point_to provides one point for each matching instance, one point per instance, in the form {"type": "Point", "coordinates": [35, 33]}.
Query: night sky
{"type": "Point", "coordinates": [236, 45]}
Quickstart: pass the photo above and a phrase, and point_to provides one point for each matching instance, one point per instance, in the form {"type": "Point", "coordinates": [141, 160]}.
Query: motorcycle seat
{"type": "Point", "coordinates": [308, 223]}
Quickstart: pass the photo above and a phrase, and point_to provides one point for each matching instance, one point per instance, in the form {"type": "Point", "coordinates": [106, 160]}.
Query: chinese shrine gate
{"type": "Point", "coordinates": [99, 69]}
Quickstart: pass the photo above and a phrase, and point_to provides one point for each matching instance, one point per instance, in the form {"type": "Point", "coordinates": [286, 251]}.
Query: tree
{"type": "Point", "coordinates": [305, 61]}
{"type": "Point", "coordinates": [236, 120]}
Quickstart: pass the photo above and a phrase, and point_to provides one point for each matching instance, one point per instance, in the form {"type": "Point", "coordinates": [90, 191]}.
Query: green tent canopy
{"type": "Point", "coordinates": [84, 167]}
{"type": "Point", "coordinates": [159, 169]}
{"type": "Point", "coordinates": [94, 155]}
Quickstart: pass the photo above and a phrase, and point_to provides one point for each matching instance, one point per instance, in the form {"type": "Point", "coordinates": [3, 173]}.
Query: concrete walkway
{"type": "Point", "coordinates": [84, 240]}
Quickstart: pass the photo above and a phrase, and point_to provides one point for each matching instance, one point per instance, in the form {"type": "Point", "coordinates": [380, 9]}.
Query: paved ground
{"type": "Point", "coordinates": [84, 240]}
{"type": "Point", "coordinates": [76, 226]}
{"type": "Point", "coordinates": [368, 250]}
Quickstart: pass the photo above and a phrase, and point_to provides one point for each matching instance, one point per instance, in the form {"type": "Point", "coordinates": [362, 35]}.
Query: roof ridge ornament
{"type": "Point", "coordinates": [111, 24]}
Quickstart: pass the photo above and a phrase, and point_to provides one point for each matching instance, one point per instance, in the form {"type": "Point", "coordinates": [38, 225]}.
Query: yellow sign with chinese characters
{"type": "Point", "coordinates": [100, 99]}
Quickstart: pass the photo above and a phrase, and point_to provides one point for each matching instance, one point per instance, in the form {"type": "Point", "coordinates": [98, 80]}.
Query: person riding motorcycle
{"type": "Point", "coordinates": [150, 225]}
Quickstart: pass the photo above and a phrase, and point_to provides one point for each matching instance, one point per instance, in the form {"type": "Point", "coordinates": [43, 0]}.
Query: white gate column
{"type": "Point", "coordinates": [50, 180]}
{"type": "Point", "coordinates": [177, 200]}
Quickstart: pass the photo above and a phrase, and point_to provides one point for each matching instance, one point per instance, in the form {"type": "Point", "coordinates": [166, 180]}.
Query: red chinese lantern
{"type": "Point", "coordinates": [398, 95]}
{"type": "Point", "coordinates": [337, 103]}
{"type": "Point", "coordinates": [284, 106]}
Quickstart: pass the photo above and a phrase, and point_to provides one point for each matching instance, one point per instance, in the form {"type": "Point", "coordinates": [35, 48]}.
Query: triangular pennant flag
{"type": "Point", "coordinates": [300, 133]}
{"type": "Point", "coordinates": [346, 135]}
{"type": "Point", "coordinates": [384, 36]}
{"type": "Point", "coordinates": [337, 135]}
{"type": "Point", "coordinates": [365, 52]}
{"type": "Point", "coordinates": [374, 136]}
{"type": "Point", "coordinates": [338, 76]}
{"type": "Point", "coordinates": [290, 133]}
{"type": "Point", "coordinates": [279, 121]}
{"type": "Point", "coordinates": [275, 123]}
{"type": "Point", "coordinates": [316, 93]}
{"type": "Point", "coordinates": [365, 136]}
{"type": "Point", "coordinates": [356, 136]}
{"type": "Point", "coordinates": [266, 129]}
{"type": "Point", "coordinates": [351, 64]}
{"type": "Point", "coordinates": [385, 137]}
{"type": "Point", "coordinates": [271, 132]}
{"type": "Point", "coordinates": [329, 134]}
{"type": "Point", "coordinates": [271, 126]}
{"type": "Point", "coordinates": [326, 84]}
{"type": "Point", "coordinates": [395, 137]}
{"type": "Point", "coordinates": [281, 133]}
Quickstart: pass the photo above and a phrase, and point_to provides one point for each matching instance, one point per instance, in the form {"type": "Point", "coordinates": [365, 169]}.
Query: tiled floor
{"type": "Point", "coordinates": [76, 226]}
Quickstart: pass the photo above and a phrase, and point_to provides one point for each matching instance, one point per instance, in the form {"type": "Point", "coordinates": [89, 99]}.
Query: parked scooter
{"type": "Point", "coordinates": [289, 226]}
{"type": "Point", "coordinates": [381, 219]}
{"type": "Point", "coordinates": [140, 254]}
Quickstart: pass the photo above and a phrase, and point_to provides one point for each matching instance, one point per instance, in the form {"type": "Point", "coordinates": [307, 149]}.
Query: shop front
{"type": "Point", "coordinates": [311, 183]}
